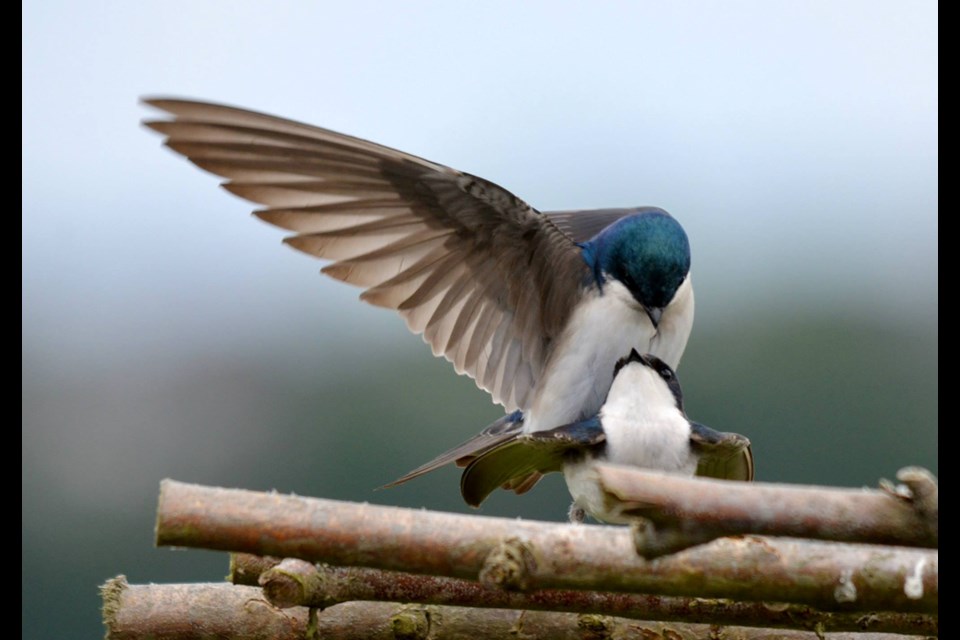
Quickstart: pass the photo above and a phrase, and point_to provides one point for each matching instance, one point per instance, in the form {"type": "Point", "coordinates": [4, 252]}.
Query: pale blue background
{"type": "Point", "coordinates": [165, 334]}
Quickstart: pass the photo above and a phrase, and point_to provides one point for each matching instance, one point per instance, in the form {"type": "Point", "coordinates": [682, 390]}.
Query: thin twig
{"type": "Point", "coordinates": [686, 511]}
{"type": "Point", "coordinates": [201, 611]}
{"type": "Point", "coordinates": [294, 582]}
{"type": "Point", "coordinates": [535, 555]}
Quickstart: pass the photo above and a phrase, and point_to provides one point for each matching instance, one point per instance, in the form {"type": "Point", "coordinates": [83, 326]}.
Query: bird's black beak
{"type": "Point", "coordinates": [655, 313]}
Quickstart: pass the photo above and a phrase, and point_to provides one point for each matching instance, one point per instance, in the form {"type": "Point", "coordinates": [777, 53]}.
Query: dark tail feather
{"type": "Point", "coordinates": [494, 435]}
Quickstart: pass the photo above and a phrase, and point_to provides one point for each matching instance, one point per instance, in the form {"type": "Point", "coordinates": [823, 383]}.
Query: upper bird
{"type": "Point", "coordinates": [535, 307]}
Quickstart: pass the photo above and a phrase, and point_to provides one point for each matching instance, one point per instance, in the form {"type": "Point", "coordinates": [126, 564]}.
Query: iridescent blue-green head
{"type": "Point", "coordinates": [647, 252]}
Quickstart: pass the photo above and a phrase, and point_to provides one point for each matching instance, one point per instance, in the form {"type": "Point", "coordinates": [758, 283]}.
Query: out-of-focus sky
{"type": "Point", "coordinates": [796, 142]}
{"type": "Point", "coordinates": [793, 140]}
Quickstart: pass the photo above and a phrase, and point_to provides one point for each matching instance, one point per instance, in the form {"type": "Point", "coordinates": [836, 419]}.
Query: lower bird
{"type": "Point", "coordinates": [642, 423]}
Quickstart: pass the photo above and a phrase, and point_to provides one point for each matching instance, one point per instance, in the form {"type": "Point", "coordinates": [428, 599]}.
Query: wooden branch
{"type": "Point", "coordinates": [294, 582]}
{"type": "Point", "coordinates": [681, 512]}
{"type": "Point", "coordinates": [246, 568]}
{"type": "Point", "coordinates": [181, 611]}
{"type": "Point", "coordinates": [534, 555]}
{"type": "Point", "coordinates": [201, 611]}
{"type": "Point", "coordinates": [924, 494]}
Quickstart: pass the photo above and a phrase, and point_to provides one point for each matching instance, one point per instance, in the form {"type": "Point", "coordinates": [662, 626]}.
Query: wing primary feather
{"type": "Point", "coordinates": [437, 282]}
{"type": "Point", "coordinates": [394, 224]}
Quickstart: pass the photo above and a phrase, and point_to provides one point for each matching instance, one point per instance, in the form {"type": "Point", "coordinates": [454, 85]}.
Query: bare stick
{"type": "Point", "coordinates": [924, 495]}
{"type": "Point", "coordinates": [181, 611]}
{"type": "Point", "coordinates": [534, 555]}
{"type": "Point", "coordinates": [295, 582]}
{"type": "Point", "coordinates": [246, 568]}
{"type": "Point", "coordinates": [683, 512]}
{"type": "Point", "coordinates": [187, 612]}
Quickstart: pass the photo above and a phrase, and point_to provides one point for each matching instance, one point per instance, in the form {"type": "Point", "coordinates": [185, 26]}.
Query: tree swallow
{"type": "Point", "coordinates": [642, 424]}
{"type": "Point", "coordinates": [535, 307]}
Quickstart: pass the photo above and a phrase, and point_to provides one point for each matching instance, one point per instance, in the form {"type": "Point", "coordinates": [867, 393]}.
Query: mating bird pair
{"type": "Point", "coordinates": [573, 321]}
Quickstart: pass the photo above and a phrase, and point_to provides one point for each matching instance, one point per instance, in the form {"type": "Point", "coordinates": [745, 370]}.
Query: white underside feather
{"type": "Point", "coordinates": [603, 329]}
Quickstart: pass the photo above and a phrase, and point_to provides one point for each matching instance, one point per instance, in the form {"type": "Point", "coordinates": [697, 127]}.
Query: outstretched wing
{"type": "Point", "coordinates": [518, 462]}
{"type": "Point", "coordinates": [723, 455]}
{"type": "Point", "coordinates": [487, 280]}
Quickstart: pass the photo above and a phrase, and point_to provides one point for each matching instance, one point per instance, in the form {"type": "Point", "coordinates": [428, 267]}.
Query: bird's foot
{"type": "Point", "coordinates": [576, 514]}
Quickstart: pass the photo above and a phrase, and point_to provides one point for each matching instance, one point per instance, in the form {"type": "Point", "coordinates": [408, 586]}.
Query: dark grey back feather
{"type": "Point", "coordinates": [584, 224]}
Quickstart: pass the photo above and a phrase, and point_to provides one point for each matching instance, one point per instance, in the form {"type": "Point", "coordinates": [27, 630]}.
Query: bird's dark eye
{"type": "Point", "coordinates": [666, 374]}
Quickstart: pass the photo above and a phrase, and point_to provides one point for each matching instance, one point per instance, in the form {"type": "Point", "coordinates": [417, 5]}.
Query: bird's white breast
{"type": "Point", "coordinates": [643, 428]}
{"type": "Point", "coordinates": [675, 326]}
{"type": "Point", "coordinates": [603, 329]}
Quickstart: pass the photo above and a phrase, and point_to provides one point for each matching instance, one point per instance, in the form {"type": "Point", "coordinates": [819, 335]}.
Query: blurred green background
{"type": "Point", "coordinates": [165, 335]}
